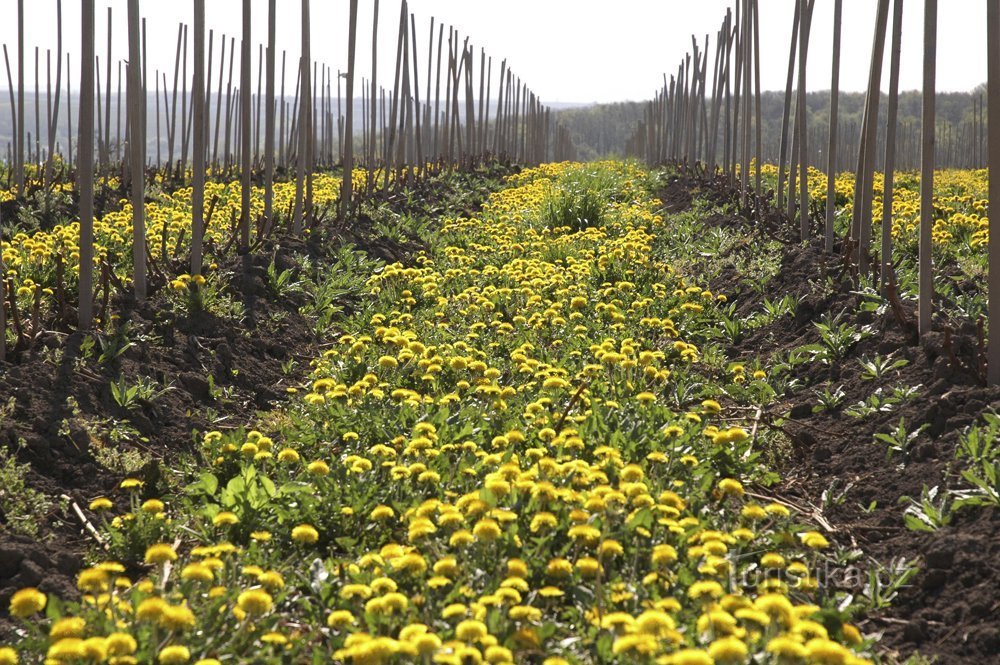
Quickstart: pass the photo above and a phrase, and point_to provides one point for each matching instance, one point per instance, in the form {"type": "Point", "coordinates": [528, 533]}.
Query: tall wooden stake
{"type": "Point", "coordinates": [831, 163]}
{"type": "Point", "coordinates": [993, 154]}
{"type": "Point", "coordinates": [269, 115]}
{"type": "Point", "coordinates": [19, 149]}
{"type": "Point", "coordinates": [345, 195]}
{"type": "Point", "coordinates": [137, 152]}
{"type": "Point", "coordinates": [200, 133]}
{"type": "Point", "coordinates": [928, 122]}
{"type": "Point", "coordinates": [303, 122]}
{"type": "Point", "coordinates": [802, 126]}
{"type": "Point", "coordinates": [886, 273]}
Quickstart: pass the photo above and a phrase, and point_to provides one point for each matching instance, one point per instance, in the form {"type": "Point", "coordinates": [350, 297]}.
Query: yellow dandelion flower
{"type": "Point", "coordinates": [225, 518]}
{"type": "Point", "coordinates": [255, 602]}
{"type": "Point", "coordinates": [174, 654]}
{"type": "Point", "coordinates": [26, 602]}
{"type": "Point", "coordinates": [160, 553]}
{"type": "Point", "coordinates": [305, 534]}
{"type": "Point", "coordinates": [101, 503]}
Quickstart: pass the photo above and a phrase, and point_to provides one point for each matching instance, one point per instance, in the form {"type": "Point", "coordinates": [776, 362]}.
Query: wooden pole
{"type": "Point", "coordinates": [389, 160]}
{"type": "Point", "coordinates": [864, 216]}
{"type": "Point", "coordinates": [100, 122]}
{"type": "Point", "coordinates": [19, 147]}
{"type": "Point", "coordinates": [69, 115]}
{"type": "Point", "coordinates": [200, 132]}
{"type": "Point", "coordinates": [801, 125]}
{"type": "Point", "coordinates": [427, 94]}
{"type": "Point", "coordinates": [172, 111]}
{"type": "Point", "coordinates": [416, 93]}
{"type": "Point", "coordinates": [38, 115]}
{"type": "Point", "coordinates": [737, 89]}
{"type": "Point", "coordinates": [831, 157]}
{"type": "Point", "coordinates": [137, 152]}
{"type": "Point", "coordinates": [405, 156]}
{"type": "Point", "coordinates": [758, 138]}
{"type": "Point", "coordinates": [446, 120]}
{"type": "Point", "coordinates": [373, 110]}
{"type": "Point", "coordinates": [885, 258]}
{"type": "Point", "coordinates": [218, 103]}
{"type": "Point", "coordinates": [364, 127]}
{"type": "Point", "coordinates": [245, 129]}
{"type": "Point", "coordinates": [993, 154]}
{"type": "Point", "coordinates": [310, 128]}
{"type": "Point", "coordinates": [184, 107]}
{"type": "Point", "coordinates": [748, 110]}
{"type": "Point", "coordinates": [335, 119]}
{"type": "Point", "coordinates": [786, 113]}
{"type": "Point", "coordinates": [926, 277]}
{"type": "Point", "coordinates": [303, 122]}
{"type": "Point", "coordinates": [437, 94]}
{"type": "Point", "coordinates": [48, 112]}
{"type": "Point", "coordinates": [145, 85]}
{"type": "Point", "coordinates": [16, 120]}
{"type": "Point", "coordinates": [269, 114]}
{"type": "Point", "coordinates": [498, 122]}
{"type": "Point", "coordinates": [256, 113]}
{"type": "Point", "coordinates": [486, 119]}
{"type": "Point", "coordinates": [106, 154]}
{"type": "Point", "coordinates": [118, 115]}
{"type": "Point", "coordinates": [282, 107]}
{"type": "Point", "coordinates": [470, 108]}
{"type": "Point", "coordinates": [54, 116]}
{"type": "Point", "coordinates": [729, 36]}
{"type": "Point", "coordinates": [294, 116]}
{"type": "Point", "coordinates": [345, 195]}
{"type": "Point", "coordinates": [208, 95]}
{"type": "Point", "coordinates": [229, 102]}
{"type": "Point", "coordinates": [156, 77]}
{"type": "Point", "coordinates": [85, 169]}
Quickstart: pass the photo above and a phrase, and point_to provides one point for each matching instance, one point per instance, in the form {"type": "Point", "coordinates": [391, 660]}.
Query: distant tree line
{"type": "Point", "coordinates": [601, 130]}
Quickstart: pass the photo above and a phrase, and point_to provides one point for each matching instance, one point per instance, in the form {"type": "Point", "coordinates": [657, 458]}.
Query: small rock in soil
{"type": "Point", "coordinates": [31, 574]}
{"type": "Point", "coordinates": [942, 368]}
{"type": "Point", "coordinates": [915, 631]}
{"type": "Point", "coordinates": [925, 451]}
{"type": "Point", "coordinates": [941, 556]}
{"type": "Point", "coordinates": [10, 560]}
{"type": "Point", "coordinates": [933, 579]}
{"type": "Point", "coordinates": [939, 387]}
{"type": "Point", "coordinates": [803, 410]}
{"type": "Point", "coordinates": [979, 609]}
{"type": "Point", "coordinates": [196, 385]}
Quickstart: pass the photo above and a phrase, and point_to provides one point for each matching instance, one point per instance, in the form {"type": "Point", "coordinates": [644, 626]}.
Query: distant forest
{"type": "Point", "coordinates": [602, 130]}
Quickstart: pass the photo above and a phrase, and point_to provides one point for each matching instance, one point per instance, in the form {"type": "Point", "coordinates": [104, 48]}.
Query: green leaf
{"type": "Point", "coordinates": [268, 486]}
{"type": "Point", "coordinates": [207, 483]}
{"type": "Point", "coordinates": [915, 523]}
{"type": "Point", "coordinates": [642, 518]}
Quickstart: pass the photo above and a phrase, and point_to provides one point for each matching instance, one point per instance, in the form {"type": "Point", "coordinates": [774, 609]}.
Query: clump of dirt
{"type": "Point", "coordinates": [221, 372]}
{"type": "Point", "coordinates": [948, 609]}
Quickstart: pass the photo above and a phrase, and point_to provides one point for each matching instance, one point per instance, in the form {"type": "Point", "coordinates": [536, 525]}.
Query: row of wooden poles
{"type": "Point", "coordinates": [448, 128]}
{"type": "Point", "coordinates": [689, 124]}
{"type": "Point", "coordinates": [959, 145]}
{"type": "Point", "coordinates": [402, 134]}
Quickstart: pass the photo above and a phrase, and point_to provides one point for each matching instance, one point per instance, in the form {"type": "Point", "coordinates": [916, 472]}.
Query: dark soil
{"type": "Point", "coordinates": [950, 609]}
{"type": "Point", "coordinates": [63, 404]}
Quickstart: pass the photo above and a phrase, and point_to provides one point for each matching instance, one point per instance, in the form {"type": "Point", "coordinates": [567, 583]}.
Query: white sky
{"type": "Point", "coordinates": [566, 50]}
